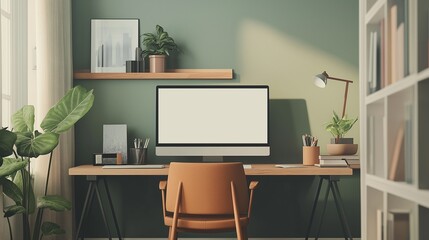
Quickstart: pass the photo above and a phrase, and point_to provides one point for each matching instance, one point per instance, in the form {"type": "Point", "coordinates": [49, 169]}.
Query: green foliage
{"type": "Point", "coordinates": [23, 119]}
{"type": "Point", "coordinates": [13, 210]}
{"type": "Point", "coordinates": [7, 140]}
{"type": "Point", "coordinates": [56, 203]}
{"type": "Point", "coordinates": [30, 143]}
{"type": "Point", "coordinates": [11, 190]}
{"type": "Point", "coordinates": [50, 228]}
{"type": "Point", "coordinates": [11, 167]}
{"type": "Point", "coordinates": [75, 104]}
{"type": "Point", "coordinates": [338, 127]}
{"type": "Point", "coordinates": [159, 43]}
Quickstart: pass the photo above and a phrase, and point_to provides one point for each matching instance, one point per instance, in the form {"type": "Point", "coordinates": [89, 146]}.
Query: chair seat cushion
{"type": "Point", "coordinates": [206, 222]}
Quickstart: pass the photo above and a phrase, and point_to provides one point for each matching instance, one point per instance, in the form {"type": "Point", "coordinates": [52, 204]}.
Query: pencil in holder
{"type": "Point", "coordinates": [310, 155]}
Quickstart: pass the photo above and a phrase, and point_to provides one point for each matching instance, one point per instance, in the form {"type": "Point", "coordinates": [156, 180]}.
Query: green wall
{"type": "Point", "coordinates": [280, 43]}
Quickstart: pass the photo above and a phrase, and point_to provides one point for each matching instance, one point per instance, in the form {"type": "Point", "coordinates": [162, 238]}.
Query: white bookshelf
{"type": "Point", "coordinates": [394, 114]}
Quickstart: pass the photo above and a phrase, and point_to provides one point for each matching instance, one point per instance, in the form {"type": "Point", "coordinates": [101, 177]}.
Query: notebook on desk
{"type": "Point", "coordinates": [152, 166]}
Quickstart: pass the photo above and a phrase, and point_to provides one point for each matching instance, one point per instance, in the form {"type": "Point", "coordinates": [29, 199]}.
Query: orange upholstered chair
{"type": "Point", "coordinates": [206, 197]}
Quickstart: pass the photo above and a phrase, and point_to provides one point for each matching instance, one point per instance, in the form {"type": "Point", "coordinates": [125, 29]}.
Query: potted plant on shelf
{"type": "Point", "coordinates": [158, 46]}
{"type": "Point", "coordinates": [24, 144]}
{"type": "Point", "coordinates": [338, 127]}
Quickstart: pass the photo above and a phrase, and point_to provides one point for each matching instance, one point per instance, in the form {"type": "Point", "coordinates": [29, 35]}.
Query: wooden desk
{"type": "Point", "coordinates": [95, 173]}
{"type": "Point", "coordinates": [256, 170]}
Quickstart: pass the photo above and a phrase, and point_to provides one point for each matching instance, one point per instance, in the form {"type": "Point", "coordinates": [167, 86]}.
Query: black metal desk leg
{"type": "Point", "coordinates": [112, 209]}
{"type": "Point", "coordinates": [314, 209]}
{"type": "Point", "coordinates": [102, 211]}
{"type": "Point", "coordinates": [331, 185]}
{"type": "Point", "coordinates": [339, 202]}
{"type": "Point", "coordinates": [86, 204]}
{"type": "Point", "coordinates": [323, 212]}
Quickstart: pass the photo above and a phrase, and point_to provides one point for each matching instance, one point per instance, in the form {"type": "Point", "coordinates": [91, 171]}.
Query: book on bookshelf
{"type": "Point", "coordinates": [371, 145]}
{"type": "Point", "coordinates": [382, 54]}
{"type": "Point", "coordinates": [408, 144]}
{"type": "Point", "coordinates": [392, 43]}
{"type": "Point", "coordinates": [370, 64]}
{"type": "Point", "coordinates": [398, 225]}
{"type": "Point", "coordinates": [400, 51]}
{"type": "Point", "coordinates": [379, 225]}
{"type": "Point", "coordinates": [406, 39]}
{"type": "Point", "coordinates": [396, 171]}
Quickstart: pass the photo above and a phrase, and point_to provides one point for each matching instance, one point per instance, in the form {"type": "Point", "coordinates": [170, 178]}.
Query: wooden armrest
{"type": "Point", "coordinates": [253, 185]}
{"type": "Point", "coordinates": [162, 185]}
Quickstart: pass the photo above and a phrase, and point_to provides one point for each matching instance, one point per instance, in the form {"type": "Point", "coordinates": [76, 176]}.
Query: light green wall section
{"type": "Point", "coordinates": [280, 43]}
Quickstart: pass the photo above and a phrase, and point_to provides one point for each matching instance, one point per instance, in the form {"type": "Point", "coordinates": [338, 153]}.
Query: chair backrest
{"type": "Point", "coordinates": [206, 187]}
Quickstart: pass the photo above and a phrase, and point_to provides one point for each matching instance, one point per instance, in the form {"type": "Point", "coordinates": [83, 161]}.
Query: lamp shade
{"type": "Point", "coordinates": [320, 80]}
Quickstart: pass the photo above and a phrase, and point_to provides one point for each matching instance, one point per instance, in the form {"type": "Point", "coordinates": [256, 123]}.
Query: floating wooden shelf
{"type": "Point", "coordinates": [218, 74]}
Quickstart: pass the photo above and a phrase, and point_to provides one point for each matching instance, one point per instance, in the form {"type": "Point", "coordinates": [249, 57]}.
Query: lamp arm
{"type": "Point", "coordinates": [340, 79]}
{"type": "Point", "coordinates": [345, 98]}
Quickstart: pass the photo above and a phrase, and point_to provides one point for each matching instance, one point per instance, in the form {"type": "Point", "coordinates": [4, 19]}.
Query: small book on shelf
{"type": "Point", "coordinates": [379, 230]}
{"type": "Point", "coordinates": [397, 168]}
{"type": "Point", "coordinates": [398, 224]}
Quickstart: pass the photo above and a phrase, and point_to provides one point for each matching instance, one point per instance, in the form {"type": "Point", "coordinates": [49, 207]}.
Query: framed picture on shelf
{"type": "Point", "coordinates": [113, 42]}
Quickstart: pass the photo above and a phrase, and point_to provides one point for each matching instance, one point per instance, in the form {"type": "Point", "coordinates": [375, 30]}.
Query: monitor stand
{"type": "Point", "coordinates": [212, 159]}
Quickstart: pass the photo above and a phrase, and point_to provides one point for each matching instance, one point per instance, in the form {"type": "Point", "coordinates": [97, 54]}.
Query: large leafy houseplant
{"type": "Point", "coordinates": [338, 127]}
{"type": "Point", "coordinates": [19, 146]}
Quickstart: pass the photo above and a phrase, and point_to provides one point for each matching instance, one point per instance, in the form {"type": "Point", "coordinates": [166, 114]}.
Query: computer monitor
{"type": "Point", "coordinates": [212, 120]}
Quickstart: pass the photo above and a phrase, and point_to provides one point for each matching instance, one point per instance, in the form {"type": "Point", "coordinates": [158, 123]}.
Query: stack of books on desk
{"type": "Point", "coordinates": [338, 160]}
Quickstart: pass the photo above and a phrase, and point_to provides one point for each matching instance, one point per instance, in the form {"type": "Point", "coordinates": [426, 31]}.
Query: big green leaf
{"type": "Point", "coordinates": [42, 144]}
{"type": "Point", "coordinates": [13, 210]}
{"type": "Point", "coordinates": [11, 167]}
{"type": "Point", "coordinates": [7, 140]}
{"type": "Point", "coordinates": [23, 119]}
{"type": "Point", "coordinates": [11, 190]}
{"type": "Point", "coordinates": [50, 228]}
{"type": "Point", "coordinates": [72, 107]}
{"type": "Point", "coordinates": [31, 198]}
{"type": "Point", "coordinates": [54, 202]}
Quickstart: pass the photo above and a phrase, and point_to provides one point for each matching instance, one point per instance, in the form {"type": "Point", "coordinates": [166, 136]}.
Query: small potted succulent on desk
{"type": "Point", "coordinates": [158, 46]}
{"type": "Point", "coordinates": [338, 127]}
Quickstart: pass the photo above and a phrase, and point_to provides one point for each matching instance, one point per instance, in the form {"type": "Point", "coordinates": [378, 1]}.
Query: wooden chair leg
{"type": "Point", "coordinates": [244, 233]}
{"type": "Point", "coordinates": [171, 234]}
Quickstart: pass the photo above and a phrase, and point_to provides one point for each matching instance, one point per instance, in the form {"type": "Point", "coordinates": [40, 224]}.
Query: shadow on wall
{"type": "Point", "coordinates": [288, 120]}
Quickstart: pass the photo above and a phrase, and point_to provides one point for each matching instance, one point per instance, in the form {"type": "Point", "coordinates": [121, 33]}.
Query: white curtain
{"type": "Point", "coordinates": [54, 78]}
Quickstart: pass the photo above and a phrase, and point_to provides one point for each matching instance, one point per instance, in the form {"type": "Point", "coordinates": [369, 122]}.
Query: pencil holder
{"type": "Point", "coordinates": [310, 155]}
{"type": "Point", "coordinates": [137, 156]}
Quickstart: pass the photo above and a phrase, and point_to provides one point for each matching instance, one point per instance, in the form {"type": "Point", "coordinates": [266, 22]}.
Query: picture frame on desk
{"type": "Point", "coordinates": [113, 42]}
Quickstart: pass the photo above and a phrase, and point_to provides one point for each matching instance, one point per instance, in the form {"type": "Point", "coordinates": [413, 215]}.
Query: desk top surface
{"type": "Point", "coordinates": [256, 170]}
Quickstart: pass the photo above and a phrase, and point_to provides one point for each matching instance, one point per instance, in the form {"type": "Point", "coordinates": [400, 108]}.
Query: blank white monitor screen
{"type": "Point", "coordinates": [216, 116]}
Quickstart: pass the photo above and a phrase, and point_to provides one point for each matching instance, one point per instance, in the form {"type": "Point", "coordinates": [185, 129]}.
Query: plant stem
{"type": "Point", "coordinates": [49, 171]}
{"type": "Point", "coordinates": [37, 224]}
{"type": "Point", "coordinates": [10, 228]}
{"type": "Point", "coordinates": [25, 203]}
